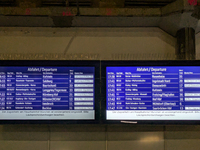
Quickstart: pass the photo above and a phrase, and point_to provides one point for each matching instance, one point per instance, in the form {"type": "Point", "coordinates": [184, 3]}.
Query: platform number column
{"type": "Point", "coordinates": [181, 89]}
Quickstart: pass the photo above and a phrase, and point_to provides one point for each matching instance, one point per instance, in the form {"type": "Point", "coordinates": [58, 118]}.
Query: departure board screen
{"type": "Point", "coordinates": [153, 93]}
{"type": "Point", "coordinates": [47, 93]}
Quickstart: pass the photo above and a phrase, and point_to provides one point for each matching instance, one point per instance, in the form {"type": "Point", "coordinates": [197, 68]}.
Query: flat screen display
{"type": "Point", "coordinates": [153, 92]}
{"type": "Point", "coordinates": [47, 93]}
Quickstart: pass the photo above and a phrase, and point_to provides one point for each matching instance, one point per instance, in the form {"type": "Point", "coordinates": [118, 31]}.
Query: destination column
{"type": "Point", "coordinates": [165, 88]}
{"type": "Point", "coordinates": [55, 89]}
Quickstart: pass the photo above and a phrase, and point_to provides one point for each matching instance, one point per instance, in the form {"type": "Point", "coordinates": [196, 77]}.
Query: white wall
{"type": "Point", "coordinates": [106, 42]}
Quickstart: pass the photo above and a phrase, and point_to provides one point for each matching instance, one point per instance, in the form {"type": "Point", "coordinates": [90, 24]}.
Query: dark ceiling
{"type": "Point", "coordinates": [146, 3]}
{"type": "Point", "coordinates": [90, 3]}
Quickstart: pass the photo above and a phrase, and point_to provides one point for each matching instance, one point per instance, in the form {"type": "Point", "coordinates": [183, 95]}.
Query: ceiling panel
{"type": "Point", "coordinates": [72, 3]}
{"type": "Point", "coordinates": [147, 3]}
{"type": "Point", "coordinates": [88, 3]}
{"type": "Point", "coordinates": [7, 2]}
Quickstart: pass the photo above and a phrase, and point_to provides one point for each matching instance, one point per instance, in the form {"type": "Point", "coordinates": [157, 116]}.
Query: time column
{"type": "Point", "coordinates": [111, 91]}
{"type": "Point", "coordinates": [2, 90]}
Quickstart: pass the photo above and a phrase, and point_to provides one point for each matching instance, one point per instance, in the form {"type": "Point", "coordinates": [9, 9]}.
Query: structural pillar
{"type": "Point", "coordinates": [185, 49]}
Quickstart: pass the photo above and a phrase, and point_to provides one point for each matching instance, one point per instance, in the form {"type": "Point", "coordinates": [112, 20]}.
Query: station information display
{"type": "Point", "coordinates": [153, 93]}
{"type": "Point", "coordinates": [47, 93]}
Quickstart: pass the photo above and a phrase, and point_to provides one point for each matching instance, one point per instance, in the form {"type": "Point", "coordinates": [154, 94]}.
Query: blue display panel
{"type": "Point", "coordinates": [47, 93]}
{"type": "Point", "coordinates": [153, 93]}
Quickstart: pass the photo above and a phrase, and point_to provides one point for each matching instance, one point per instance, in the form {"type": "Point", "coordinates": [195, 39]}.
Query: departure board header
{"type": "Point", "coordinates": [47, 93]}
{"type": "Point", "coordinates": [153, 92]}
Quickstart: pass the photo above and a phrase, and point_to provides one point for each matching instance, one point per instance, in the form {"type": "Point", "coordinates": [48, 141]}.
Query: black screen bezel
{"type": "Point", "coordinates": [105, 64]}
{"type": "Point", "coordinates": [58, 63]}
